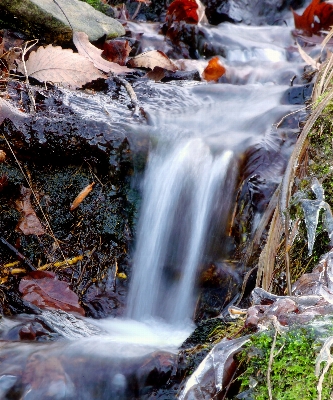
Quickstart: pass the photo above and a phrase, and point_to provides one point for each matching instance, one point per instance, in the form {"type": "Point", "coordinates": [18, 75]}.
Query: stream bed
{"type": "Point", "coordinates": [198, 141]}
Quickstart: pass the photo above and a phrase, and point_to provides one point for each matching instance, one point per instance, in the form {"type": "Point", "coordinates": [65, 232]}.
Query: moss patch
{"type": "Point", "coordinates": [293, 367]}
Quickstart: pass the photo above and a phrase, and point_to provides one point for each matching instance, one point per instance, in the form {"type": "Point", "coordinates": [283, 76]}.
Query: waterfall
{"type": "Point", "coordinates": [181, 190]}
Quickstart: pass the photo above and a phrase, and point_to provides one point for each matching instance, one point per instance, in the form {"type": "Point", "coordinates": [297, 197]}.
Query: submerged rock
{"type": "Point", "coordinates": [55, 22]}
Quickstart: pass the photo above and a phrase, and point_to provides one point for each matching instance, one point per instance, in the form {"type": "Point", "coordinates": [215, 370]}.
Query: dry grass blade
{"type": "Point", "coordinates": [280, 221]}
{"type": "Point", "coordinates": [325, 75]}
{"type": "Point", "coordinates": [327, 39]}
{"type": "Point", "coordinates": [309, 60]}
{"type": "Point", "coordinates": [267, 257]}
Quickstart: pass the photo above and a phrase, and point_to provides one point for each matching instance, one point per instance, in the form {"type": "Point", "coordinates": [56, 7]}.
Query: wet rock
{"type": "Point", "coordinates": [214, 372]}
{"type": "Point", "coordinates": [45, 19]}
{"type": "Point", "coordinates": [300, 94]}
{"type": "Point", "coordinates": [66, 149]}
{"type": "Point", "coordinates": [268, 12]}
{"type": "Point", "coordinates": [219, 283]}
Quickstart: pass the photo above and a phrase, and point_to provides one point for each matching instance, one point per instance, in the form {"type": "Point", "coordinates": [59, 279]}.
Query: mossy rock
{"type": "Point", "coordinates": [55, 22]}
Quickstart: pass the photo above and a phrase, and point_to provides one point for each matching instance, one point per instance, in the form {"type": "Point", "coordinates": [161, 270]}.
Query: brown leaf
{"type": "Point", "coordinates": [189, 11]}
{"type": "Point", "coordinates": [29, 223]}
{"type": "Point", "coordinates": [316, 17]}
{"type": "Point", "coordinates": [81, 196]}
{"type": "Point", "coordinates": [152, 59]}
{"type": "Point", "coordinates": [54, 64]}
{"type": "Point", "coordinates": [116, 51]}
{"type": "Point", "coordinates": [43, 289]}
{"type": "Point", "coordinates": [214, 70]}
{"type": "Point", "coordinates": [156, 74]}
{"type": "Point", "coordinates": [93, 54]}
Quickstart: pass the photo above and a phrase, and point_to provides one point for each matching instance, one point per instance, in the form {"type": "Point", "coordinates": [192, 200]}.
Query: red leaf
{"type": "Point", "coordinates": [43, 289]}
{"type": "Point", "coordinates": [316, 17]}
{"type": "Point", "coordinates": [214, 70]}
{"type": "Point", "coordinates": [116, 51]}
{"type": "Point", "coordinates": [183, 10]}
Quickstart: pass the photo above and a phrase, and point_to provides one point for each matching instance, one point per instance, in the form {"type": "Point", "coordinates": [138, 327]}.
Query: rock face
{"type": "Point", "coordinates": [55, 21]}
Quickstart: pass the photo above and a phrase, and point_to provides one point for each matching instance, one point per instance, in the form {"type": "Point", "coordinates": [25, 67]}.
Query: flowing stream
{"type": "Point", "coordinates": [199, 133]}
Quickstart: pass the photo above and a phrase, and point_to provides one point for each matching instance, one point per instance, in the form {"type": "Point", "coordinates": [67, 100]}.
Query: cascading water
{"type": "Point", "coordinates": [180, 190]}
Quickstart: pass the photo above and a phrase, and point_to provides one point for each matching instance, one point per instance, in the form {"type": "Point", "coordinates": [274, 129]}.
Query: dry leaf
{"type": "Point", "coordinates": [316, 17]}
{"type": "Point", "coordinates": [190, 11]}
{"type": "Point", "coordinates": [54, 64]}
{"type": "Point", "coordinates": [152, 59]}
{"type": "Point", "coordinates": [93, 54]}
{"type": "Point", "coordinates": [81, 196]}
{"type": "Point", "coordinates": [43, 289]}
{"type": "Point", "coordinates": [309, 60]}
{"type": "Point", "coordinates": [156, 74]}
{"type": "Point", "coordinates": [3, 156]}
{"type": "Point", "coordinates": [29, 223]}
{"type": "Point", "coordinates": [214, 70]}
{"type": "Point", "coordinates": [116, 51]}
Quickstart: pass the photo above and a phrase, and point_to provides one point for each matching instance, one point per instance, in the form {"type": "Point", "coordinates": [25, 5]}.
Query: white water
{"type": "Point", "coordinates": [181, 189]}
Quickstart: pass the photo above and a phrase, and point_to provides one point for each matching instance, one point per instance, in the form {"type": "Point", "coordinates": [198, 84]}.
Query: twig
{"type": "Point", "coordinates": [270, 363]}
{"type": "Point", "coordinates": [54, 1]}
{"type": "Point", "coordinates": [136, 12]}
{"type": "Point", "coordinates": [31, 97]}
{"type": "Point", "coordinates": [131, 93]}
{"type": "Point", "coordinates": [19, 255]}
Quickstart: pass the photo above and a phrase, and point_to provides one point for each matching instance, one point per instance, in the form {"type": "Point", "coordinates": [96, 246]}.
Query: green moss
{"type": "Point", "coordinates": [293, 368]}
{"type": "Point", "coordinates": [97, 4]}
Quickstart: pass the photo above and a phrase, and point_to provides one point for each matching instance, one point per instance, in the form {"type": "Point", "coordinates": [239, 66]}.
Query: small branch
{"type": "Point", "coordinates": [270, 363]}
{"type": "Point", "coordinates": [18, 254]}
{"type": "Point", "coordinates": [131, 93]}
{"type": "Point", "coordinates": [136, 12]}
{"type": "Point", "coordinates": [31, 97]}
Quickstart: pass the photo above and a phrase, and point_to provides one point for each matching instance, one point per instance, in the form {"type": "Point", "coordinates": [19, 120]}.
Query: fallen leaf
{"type": "Point", "coordinates": [54, 64]}
{"type": "Point", "coordinates": [152, 59]}
{"type": "Point", "coordinates": [214, 70]}
{"type": "Point", "coordinates": [316, 17]}
{"type": "Point", "coordinates": [29, 223]}
{"type": "Point", "coordinates": [81, 196]}
{"type": "Point", "coordinates": [3, 156]}
{"type": "Point", "coordinates": [116, 51]}
{"type": "Point", "coordinates": [93, 54]}
{"type": "Point", "coordinates": [43, 289]}
{"type": "Point", "coordinates": [189, 11]}
{"type": "Point", "coordinates": [156, 74]}
{"type": "Point", "coordinates": [309, 60]}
